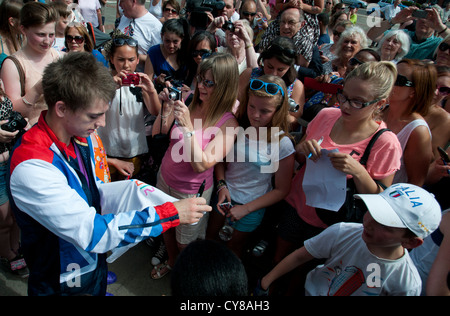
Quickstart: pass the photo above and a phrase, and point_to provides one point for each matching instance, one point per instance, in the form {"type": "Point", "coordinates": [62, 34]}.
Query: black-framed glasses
{"type": "Point", "coordinates": [443, 90]}
{"type": "Point", "coordinates": [207, 83]}
{"type": "Point", "coordinates": [402, 81]}
{"type": "Point", "coordinates": [78, 39]}
{"type": "Point", "coordinates": [443, 46]}
{"type": "Point", "coordinates": [353, 103]}
{"type": "Point", "coordinates": [355, 62]}
{"type": "Point", "coordinates": [120, 41]}
{"type": "Point", "coordinates": [271, 88]}
{"type": "Point", "coordinates": [281, 50]}
{"type": "Point", "coordinates": [173, 11]}
{"type": "Point", "coordinates": [246, 13]}
{"type": "Point", "coordinates": [203, 53]}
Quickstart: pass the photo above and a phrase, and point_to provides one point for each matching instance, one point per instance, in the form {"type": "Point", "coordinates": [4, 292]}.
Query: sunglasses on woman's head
{"type": "Point", "coordinates": [443, 46]}
{"type": "Point", "coordinates": [77, 39]}
{"type": "Point", "coordinates": [271, 88]}
{"type": "Point", "coordinates": [202, 53]}
{"type": "Point", "coordinates": [120, 41]}
{"type": "Point", "coordinates": [402, 81]}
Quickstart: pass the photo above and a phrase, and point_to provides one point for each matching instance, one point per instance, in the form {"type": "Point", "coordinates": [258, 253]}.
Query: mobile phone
{"type": "Point", "coordinates": [420, 14]}
{"type": "Point", "coordinates": [131, 79]}
{"type": "Point", "coordinates": [313, 84]}
{"type": "Point", "coordinates": [226, 206]}
{"type": "Point", "coordinates": [443, 154]}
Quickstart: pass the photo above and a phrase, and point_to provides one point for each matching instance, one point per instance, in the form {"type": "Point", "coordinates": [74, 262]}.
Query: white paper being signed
{"type": "Point", "coordinates": [324, 186]}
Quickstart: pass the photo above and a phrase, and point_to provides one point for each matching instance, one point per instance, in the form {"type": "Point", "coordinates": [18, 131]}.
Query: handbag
{"type": "Point", "coordinates": [158, 145]}
{"type": "Point", "coordinates": [351, 210]}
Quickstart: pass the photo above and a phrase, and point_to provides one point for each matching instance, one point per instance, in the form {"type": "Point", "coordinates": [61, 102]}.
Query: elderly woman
{"type": "Point", "coordinates": [350, 42]}
{"type": "Point", "coordinates": [394, 46]}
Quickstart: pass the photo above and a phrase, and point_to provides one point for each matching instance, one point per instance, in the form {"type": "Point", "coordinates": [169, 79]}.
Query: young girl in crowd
{"type": "Point", "coordinates": [123, 135]}
{"type": "Point", "coordinates": [198, 141]}
{"type": "Point", "coordinates": [169, 57]}
{"type": "Point", "coordinates": [37, 22]}
{"type": "Point", "coordinates": [409, 102]}
{"type": "Point", "coordinates": [278, 60]}
{"type": "Point", "coordinates": [10, 257]}
{"type": "Point", "coordinates": [348, 129]}
{"type": "Point", "coordinates": [243, 182]}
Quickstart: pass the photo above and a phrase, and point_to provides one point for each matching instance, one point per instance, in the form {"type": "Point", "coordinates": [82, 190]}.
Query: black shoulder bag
{"type": "Point", "coordinates": [350, 210]}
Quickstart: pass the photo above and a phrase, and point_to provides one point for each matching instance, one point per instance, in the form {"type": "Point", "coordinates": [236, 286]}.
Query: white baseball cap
{"type": "Point", "coordinates": [405, 205]}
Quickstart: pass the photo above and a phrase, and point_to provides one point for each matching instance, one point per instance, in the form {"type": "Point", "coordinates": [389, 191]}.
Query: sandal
{"type": "Point", "coordinates": [160, 270]}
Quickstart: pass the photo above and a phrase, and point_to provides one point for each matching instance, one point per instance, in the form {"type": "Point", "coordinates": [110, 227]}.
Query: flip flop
{"type": "Point", "coordinates": [160, 270]}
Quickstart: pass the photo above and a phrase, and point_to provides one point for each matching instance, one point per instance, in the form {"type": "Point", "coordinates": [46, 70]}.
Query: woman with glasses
{"type": "Point", "coordinates": [168, 58]}
{"type": "Point", "coordinates": [77, 39]}
{"type": "Point", "coordinates": [170, 10]}
{"type": "Point", "coordinates": [394, 45]}
{"type": "Point", "coordinates": [199, 140]}
{"type": "Point", "coordinates": [37, 23]}
{"type": "Point", "coordinates": [442, 54]}
{"type": "Point", "coordinates": [349, 129]}
{"type": "Point", "coordinates": [123, 135]}
{"type": "Point", "coordinates": [409, 102]}
{"type": "Point", "coordinates": [278, 60]}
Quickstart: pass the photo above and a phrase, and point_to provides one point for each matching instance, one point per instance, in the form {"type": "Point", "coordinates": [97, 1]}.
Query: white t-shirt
{"type": "Point", "coordinates": [146, 30]}
{"type": "Point", "coordinates": [124, 135]}
{"type": "Point", "coordinates": [246, 179]}
{"type": "Point", "coordinates": [89, 9]}
{"type": "Point", "coordinates": [351, 269]}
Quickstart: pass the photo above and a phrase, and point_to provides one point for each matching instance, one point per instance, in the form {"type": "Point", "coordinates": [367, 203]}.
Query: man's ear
{"type": "Point", "coordinates": [412, 243]}
{"type": "Point", "coordinates": [60, 109]}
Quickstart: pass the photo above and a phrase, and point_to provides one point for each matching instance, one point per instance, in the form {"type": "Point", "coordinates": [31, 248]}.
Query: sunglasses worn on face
{"type": "Point", "coordinates": [443, 90]}
{"type": "Point", "coordinates": [353, 103]}
{"type": "Point", "coordinates": [444, 46]}
{"type": "Point", "coordinates": [122, 41]}
{"type": "Point", "coordinates": [77, 39]}
{"type": "Point", "coordinates": [207, 83]}
{"type": "Point", "coordinates": [246, 13]}
{"type": "Point", "coordinates": [336, 33]}
{"type": "Point", "coordinates": [402, 81]}
{"type": "Point", "coordinates": [173, 11]}
{"type": "Point", "coordinates": [355, 62]}
{"type": "Point", "coordinates": [271, 88]}
{"type": "Point", "coordinates": [202, 52]}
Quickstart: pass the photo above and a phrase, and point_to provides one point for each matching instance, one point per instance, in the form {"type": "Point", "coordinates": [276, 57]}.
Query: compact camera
{"type": "Point", "coordinates": [228, 26]}
{"type": "Point", "coordinates": [174, 94]}
{"type": "Point", "coordinates": [293, 106]}
{"type": "Point", "coordinates": [16, 122]}
{"type": "Point", "coordinates": [131, 80]}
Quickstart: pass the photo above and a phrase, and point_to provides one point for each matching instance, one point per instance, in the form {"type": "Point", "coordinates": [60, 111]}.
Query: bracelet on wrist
{"type": "Point", "coordinates": [248, 46]}
{"type": "Point", "coordinates": [445, 29]}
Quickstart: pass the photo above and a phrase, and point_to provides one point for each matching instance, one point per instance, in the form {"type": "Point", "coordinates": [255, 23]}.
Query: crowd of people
{"type": "Point", "coordinates": [205, 132]}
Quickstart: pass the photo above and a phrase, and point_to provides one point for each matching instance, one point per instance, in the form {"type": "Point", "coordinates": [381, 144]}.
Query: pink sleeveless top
{"type": "Point", "coordinates": [176, 168]}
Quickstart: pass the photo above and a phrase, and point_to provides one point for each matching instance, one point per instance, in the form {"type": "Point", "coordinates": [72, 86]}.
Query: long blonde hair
{"type": "Point", "coordinates": [225, 74]}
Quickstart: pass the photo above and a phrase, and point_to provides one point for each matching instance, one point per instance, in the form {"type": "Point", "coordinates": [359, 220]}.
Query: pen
{"type": "Point", "coordinates": [318, 142]}
{"type": "Point", "coordinates": [445, 163]}
{"type": "Point", "coordinates": [201, 189]}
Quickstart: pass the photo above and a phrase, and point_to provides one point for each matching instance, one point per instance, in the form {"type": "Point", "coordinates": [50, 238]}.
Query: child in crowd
{"type": "Point", "coordinates": [263, 141]}
{"type": "Point", "coordinates": [370, 258]}
{"type": "Point", "coordinates": [124, 133]}
{"type": "Point", "coordinates": [61, 25]}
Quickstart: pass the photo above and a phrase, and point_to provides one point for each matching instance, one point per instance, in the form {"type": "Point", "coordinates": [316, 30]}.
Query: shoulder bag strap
{"type": "Point", "coordinates": [21, 73]}
{"type": "Point", "coordinates": [366, 154]}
